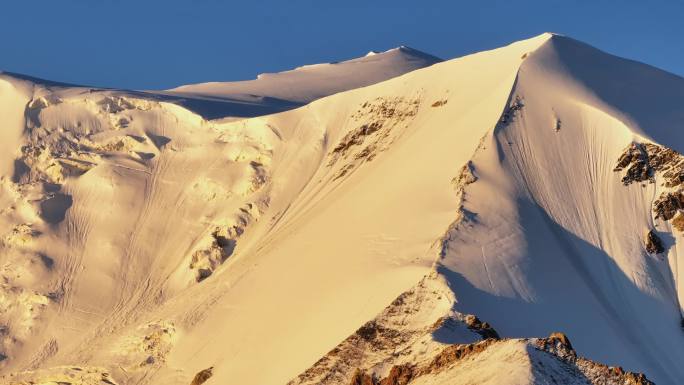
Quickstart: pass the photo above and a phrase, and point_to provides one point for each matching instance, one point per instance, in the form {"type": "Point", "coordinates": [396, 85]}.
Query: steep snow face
{"type": "Point", "coordinates": [553, 239]}
{"type": "Point", "coordinates": [274, 92]}
{"type": "Point", "coordinates": [346, 232]}
{"type": "Point", "coordinates": [158, 244]}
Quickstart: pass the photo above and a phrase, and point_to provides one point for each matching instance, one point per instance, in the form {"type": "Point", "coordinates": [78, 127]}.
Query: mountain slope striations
{"type": "Point", "coordinates": [428, 229]}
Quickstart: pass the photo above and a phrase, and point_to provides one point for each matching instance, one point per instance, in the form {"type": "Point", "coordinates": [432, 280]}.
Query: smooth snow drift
{"type": "Point", "coordinates": [145, 244]}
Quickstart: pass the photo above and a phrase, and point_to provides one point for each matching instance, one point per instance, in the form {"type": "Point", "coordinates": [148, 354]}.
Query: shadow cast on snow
{"type": "Point", "coordinates": [579, 290]}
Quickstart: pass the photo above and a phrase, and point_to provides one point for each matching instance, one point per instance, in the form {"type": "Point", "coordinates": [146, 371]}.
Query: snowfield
{"type": "Point", "coordinates": [508, 217]}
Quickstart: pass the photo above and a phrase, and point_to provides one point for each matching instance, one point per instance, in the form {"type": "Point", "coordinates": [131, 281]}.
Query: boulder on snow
{"type": "Point", "coordinates": [202, 376]}
{"type": "Point", "coordinates": [653, 243]}
{"type": "Point", "coordinates": [482, 328]}
{"type": "Point", "coordinates": [559, 345]}
{"type": "Point", "coordinates": [562, 339]}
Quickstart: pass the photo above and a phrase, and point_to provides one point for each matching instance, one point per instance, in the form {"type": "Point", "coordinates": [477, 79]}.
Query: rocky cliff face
{"type": "Point", "coordinates": [400, 347]}
{"type": "Point", "coordinates": [651, 163]}
{"type": "Point", "coordinates": [401, 334]}
{"type": "Point", "coordinates": [556, 348]}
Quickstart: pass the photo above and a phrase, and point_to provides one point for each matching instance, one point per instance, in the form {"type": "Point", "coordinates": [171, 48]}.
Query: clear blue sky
{"type": "Point", "coordinates": [151, 44]}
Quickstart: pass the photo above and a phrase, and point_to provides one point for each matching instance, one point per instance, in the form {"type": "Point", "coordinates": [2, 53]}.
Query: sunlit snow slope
{"type": "Point", "coordinates": [143, 244]}
{"type": "Point", "coordinates": [275, 92]}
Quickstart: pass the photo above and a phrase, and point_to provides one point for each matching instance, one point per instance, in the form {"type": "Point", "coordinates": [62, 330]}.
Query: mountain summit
{"type": "Point", "coordinates": [509, 217]}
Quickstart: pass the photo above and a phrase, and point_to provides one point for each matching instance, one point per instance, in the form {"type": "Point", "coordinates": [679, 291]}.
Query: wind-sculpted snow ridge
{"type": "Point", "coordinates": [142, 243]}
{"type": "Point", "coordinates": [275, 92]}
{"type": "Point", "coordinates": [567, 230]}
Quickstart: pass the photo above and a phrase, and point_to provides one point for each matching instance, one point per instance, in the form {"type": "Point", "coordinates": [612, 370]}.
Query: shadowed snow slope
{"type": "Point", "coordinates": [143, 244]}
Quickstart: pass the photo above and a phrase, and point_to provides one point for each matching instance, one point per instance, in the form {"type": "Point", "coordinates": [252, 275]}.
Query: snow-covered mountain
{"type": "Point", "coordinates": [508, 217]}
{"type": "Point", "coordinates": [275, 92]}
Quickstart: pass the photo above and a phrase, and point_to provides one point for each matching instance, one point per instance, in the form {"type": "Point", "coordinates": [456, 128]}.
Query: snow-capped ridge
{"type": "Point", "coordinates": [275, 92]}
{"type": "Point", "coordinates": [35, 80]}
{"type": "Point", "coordinates": [617, 85]}
{"type": "Point", "coordinates": [306, 83]}
{"type": "Point", "coordinates": [133, 231]}
{"type": "Point", "coordinates": [401, 48]}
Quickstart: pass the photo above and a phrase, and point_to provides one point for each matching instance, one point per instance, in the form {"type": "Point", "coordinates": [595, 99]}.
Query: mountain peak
{"type": "Point", "coordinates": [401, 48]}
{"type": "Point", "coordinates": [310, 82]}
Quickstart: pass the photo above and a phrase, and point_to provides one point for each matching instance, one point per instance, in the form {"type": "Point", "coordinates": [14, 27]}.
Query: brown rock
{"type": "Point", "coordinates": [202, 376]}
{"type": "Point", "coordinates": [668, 204]}
{"type": "Point", "coordinates": [454, 353]}
{"type": "Point", "coordinates": [481, 328]}
{"type": "Point", "coordinates": [362, 378]}
{"type": "Point", "coordinates": [562, 339]}
{"type": "Point", "coordinates": [399, 375]}
{"type": "Point", "coordinates": [368, 331]}
{"type": "Point", "coordinates": [653, 243]}
{"type": "Point", "coordinates": [678, 221]}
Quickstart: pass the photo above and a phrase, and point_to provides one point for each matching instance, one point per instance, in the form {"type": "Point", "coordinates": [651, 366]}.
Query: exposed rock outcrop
{"type": "Point", "coordinates": [512, 111]}
{"type": "Point", "coordinates": [378, 118]}
{"type": "Point", "coordinates": [643, 160]}
{"type": "Point", "coordinates": [668, 204]}
{"type": "Point", "coordinates": [653, 243]}
{"type": "Point", "coordinates": [202, 376]}
{"type": "Point", "coordinates": [558, 344]}
{"type": "Point", "coordinates": [678, 221]}
{"type": "Point", "coordinates": [466, 176]}
{"type": "Point", "coordinates": [403, 374]}
{"type": "Point", "coordinates": [362, 378]}
{"type": "Point", "coordinates": [481, 328]}
{"type": "Point", "coordinates": [575, 369]}
{"type": "Point", "coordinates": [635, 161]}
{"type": "Point", "coordinates": [595, 373]}
{"type": "Point", "coordinates": [648, 162]}
{"type": "Point", "coordinates": [405, 332]}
